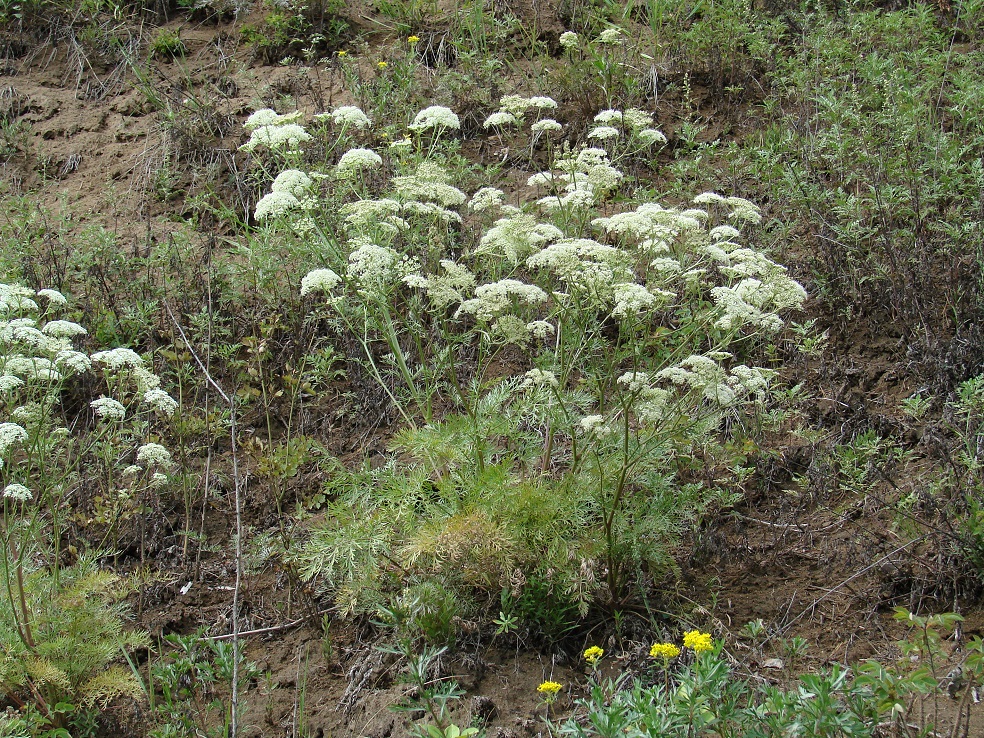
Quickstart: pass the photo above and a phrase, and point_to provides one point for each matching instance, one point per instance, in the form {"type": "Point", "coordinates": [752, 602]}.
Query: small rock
{"type": "Point", "coordinates": [773, 664]}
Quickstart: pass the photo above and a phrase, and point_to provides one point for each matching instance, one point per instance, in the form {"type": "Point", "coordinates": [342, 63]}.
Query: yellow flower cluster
{"type": "Point", "coordinates": [413, 40]}
{"type": "Point", "coordinates": [665, 651]}
{"type": "Point", "coordinates": [550, 689]}
{"type": "Point", "coordinates": [593, 655]}
{"type": "Point", "coordinates": [382, 64]}
{"type": "Point", "coordinates": [697, 641]}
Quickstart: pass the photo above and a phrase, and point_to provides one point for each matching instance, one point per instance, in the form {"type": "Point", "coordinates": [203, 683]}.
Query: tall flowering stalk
{"type": "Point", "coordinates": [44, 460]}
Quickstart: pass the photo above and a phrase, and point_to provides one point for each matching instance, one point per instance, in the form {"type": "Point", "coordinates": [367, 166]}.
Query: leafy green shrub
{"type": "Point", "coordinates": [879, 160]}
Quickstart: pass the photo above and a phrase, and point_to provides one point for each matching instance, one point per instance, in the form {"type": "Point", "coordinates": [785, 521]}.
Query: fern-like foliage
{"type": "Point", "coordinates": [78, 631]}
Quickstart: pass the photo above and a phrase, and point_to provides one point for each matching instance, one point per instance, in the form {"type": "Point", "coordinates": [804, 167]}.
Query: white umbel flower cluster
{"type": "Point", "coordinates": [494, 299]}
{"type": "Point", "coordinates": [273, 137]}
{"type": "Point", "coordinates": [160, 402]}
{"type": "Point", "coordinates": [17, 493]}
{"type": "Point", "coordinates": [347, 116]}
{"type": "Point", "coordinates": [319, 280]}
{"type": "Point", "coordinates": [153, 455]}
{"type": "Point", "coordinates": [108, 408]}
{"type": "Point", "coordinates": [437, 118]}
{"type": "Point", "coordinates": [355, 160]}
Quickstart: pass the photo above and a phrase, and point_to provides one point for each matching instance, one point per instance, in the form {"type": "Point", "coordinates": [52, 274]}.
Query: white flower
{"type": "Point", "coordinates": [268, 117]}
{"type": "Point", "coordinates": [63, 329]}
{"type": "Point", "coordinates": [403, 143]}
{"type": "Point", "coordinates": [275, 204]}
{"type": "Point", "coordinates": [634, 381]}
{"type": "Point", "coordinates": [650, 136]}
{"type": "Point", "coordinates": [15, 297]}
{"type": "Point", "coordinates": [547, 125]}
{"type": "Point", "coordinates": [17, 493]}
{"type": "Point", "coordinates": [610, 36]}
{"type": "Point", "coordinates": [515, 104]}
{"type": "Point", "coordinates": [543, 102]}
{"type": "Point", "coordinates": [355, 159]}
{"type": "Point", "coordinates": [429, 183]}
{"type": "Point", "coordinates": [631, 299]}
{"type": "Point", "coordinates": [54, 297]}
{"type": "Point", "coordinates": [145, 379]}
{"type": "Point", "coordinates": [539, 378]}
{"type": "Point", "coordinates": [708, 198]}
{"type": "Point", "coordinates": [635, 118]}
{"type": "Point", "coordinates": [161, 402]}
{"type": "Point", "coordinates": [371, 263]}
{"type": "Point", "coordinates": [501, 118]}
{"type": "Point", "coordinates": [594, 425]}
{"type": "Point", "coordinates": [153, 454]}
{"type": "Point", "coordinates": [724, 233]}
{"type": "Point", "coordinates": [492, 300]}
{"type": "Point", "coordinates": [289, 135]}
{"type": "Point", "coordinates": [11, 433]}
{"type": "Point", "coordinates": [603, 132]}
{"type": "Point", "coordinates": [8, 382]}
{"type": "Point", "coordinates": [540, 329]}
{"type": "Point", "coordinates": [319, 280]}
{"type": "Point", "coordinates": [118, 358]}
{"type": "Point", "coordinates": [569, 40]}
{"type": "Point", "coordinates": [293, 181]}
{"type": "Point", "coordinates": [608, 116]}
{"type": "Point", "coordinates": [348, 115]}
{"type": "Point", "coordinates": [444, 289]}
{"type": "Point", "coordinates": [107, 407]}
{"type": "Point", "coordinates": [485, 198]}
{"type": "Point", "coordinates": [744, 210]}
{"type": "Point", "coordinates": [437, 117]}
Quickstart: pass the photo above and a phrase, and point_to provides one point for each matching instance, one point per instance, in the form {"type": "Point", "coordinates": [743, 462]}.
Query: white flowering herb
{"type": "Point", "coordinates": [493, 299]}
{"type": "Point", "coordinates": [161, 402]}
{"type": "Point", "coordinates": [355, 160]}
{"type": "Point", "coordinates": [17, 493]}
{"type": "Point", "coordinates": [118, 358]}
{"type": "Point", "coordinates": [274, 137]}
{"type": "Point", "coordinates": [319, 280]}
{"type": "Point", "coordinates": [611, 36]}
{"type": "Point", "coordinates": [63, 329]}
{"type": "Point", "coordinates": [108, 408]}
{"type": "Point", "coordinates": [485, 199]}
{"type": "Point", "coordinates": [603, 133]}
{"type": "Point", "coordinates": [292, 181]}
{"type": "Point", "coordinates": [11, 434]}
{"type": "Point", "coordinates": [500, 119]}
{"type": "Point", "coordinates": [153, 455]}
{"type": "Point", "coordinates": [347, 116]}
{"type": "Point", "coordinates": [437, 118]}
{"type": "Point", "coordinates": [547, 125]}
{"type": "Point", "coordinates": [569, 40]}
{"type": "Point", "coordinates": [275, 205]}
{"type": "Point", "coordinates": [54, 297]}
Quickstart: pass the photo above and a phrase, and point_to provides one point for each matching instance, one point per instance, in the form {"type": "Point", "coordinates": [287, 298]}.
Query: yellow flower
{"type": "Point", "coordinates": [382, 65]}
{"type": "Point", "coordinates": [342, 53]}
{"type": "Point", "coordinates": [550, 689]}
{"type": "Point", "coordinates": [697, 641]}
{"type": "Point", "coordinates": [664, 651]}
{"type": "Point", "coordinates": [413, 40]}
{"type": "Point", "coordinates": [593, 655]}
